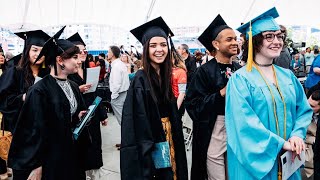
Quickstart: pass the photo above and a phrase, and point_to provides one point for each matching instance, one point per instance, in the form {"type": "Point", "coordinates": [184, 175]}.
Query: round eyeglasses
{"type": "Point", "coordinates": [270, 37]}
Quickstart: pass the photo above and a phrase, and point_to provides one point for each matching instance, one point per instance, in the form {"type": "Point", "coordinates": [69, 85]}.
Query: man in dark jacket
{"type": "Point", "coordinates": [205, 102]}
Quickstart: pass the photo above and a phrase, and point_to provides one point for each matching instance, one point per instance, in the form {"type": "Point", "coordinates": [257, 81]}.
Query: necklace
{"type": "Point", "coordinates": [221, 61]}
{"type": "Point", "coordinates": [65, 86]}
{"type": "Point", "coordinates": [263, 65]}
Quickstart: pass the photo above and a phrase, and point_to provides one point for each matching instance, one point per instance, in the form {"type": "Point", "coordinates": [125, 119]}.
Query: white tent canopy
{"type": "Point", "coordinates": [128, 14]}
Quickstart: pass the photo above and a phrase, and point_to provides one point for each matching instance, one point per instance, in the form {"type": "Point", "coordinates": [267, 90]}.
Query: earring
{"type": "Point", "coordinates": [217, 49]}
{"type": "Point", "coordinates": [43, 65]}
{"type": "Point", "coordinates": [62, 67]}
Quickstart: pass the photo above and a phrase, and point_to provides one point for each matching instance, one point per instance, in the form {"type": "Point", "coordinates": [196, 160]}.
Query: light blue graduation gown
{"type": "Point", "coordinates": [252, 140]}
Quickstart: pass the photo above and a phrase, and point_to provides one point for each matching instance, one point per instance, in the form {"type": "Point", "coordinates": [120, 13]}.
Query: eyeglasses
{"type": "Point", "coordinates": [83, 51]}
{"type": "Point", "coordinates": [270, 37]}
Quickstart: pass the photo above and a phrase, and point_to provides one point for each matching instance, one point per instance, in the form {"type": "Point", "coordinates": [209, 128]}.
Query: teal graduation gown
{"type": "Point", "coordinates": [253, 143]}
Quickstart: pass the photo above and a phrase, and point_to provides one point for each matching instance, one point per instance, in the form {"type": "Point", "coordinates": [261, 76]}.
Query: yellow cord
{"type": "Point", "coordinates": [274, 103]}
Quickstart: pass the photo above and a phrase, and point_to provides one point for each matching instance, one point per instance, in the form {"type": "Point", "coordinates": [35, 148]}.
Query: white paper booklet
{"type": "Point", "coordinates": [93, 78]}
{"type": "Point", "coordinates": [289, 167]}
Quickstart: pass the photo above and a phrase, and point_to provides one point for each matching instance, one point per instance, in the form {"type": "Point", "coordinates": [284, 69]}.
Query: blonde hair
{"type": "Point", "coordinates": [177, 61]}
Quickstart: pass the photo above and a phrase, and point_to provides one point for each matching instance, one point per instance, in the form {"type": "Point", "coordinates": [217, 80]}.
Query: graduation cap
{"type": "Point", "coordinates": [153, 28]}
{"type": "Point", "coordinates": [37, 37]}
{"type": "Point", "coordinates": [76, 39]}
{"type": "Point", "coordinates": [212, 31]}
{"type": "Point", "coordinates": [259, 24]}
{"type": "Point", "coordinates": [51, 43]}
{"type": "Point", "coordinates": [53, 48]}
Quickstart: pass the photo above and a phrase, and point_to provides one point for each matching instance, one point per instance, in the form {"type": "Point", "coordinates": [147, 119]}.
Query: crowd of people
{"type": "Point", "coordinates": [243, 95]}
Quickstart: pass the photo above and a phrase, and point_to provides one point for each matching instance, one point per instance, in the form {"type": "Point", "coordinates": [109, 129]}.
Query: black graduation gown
{"type": "Point", "coordinates": [141, 128]}
{"type": "Point", "coordinates": [93, 152]}
{"type": "Point", "coordinates": [202, 100]}
{"type": "Point", "coordinates": [43, 134]}
{"type": "Point", "coordinates": [12, 88]}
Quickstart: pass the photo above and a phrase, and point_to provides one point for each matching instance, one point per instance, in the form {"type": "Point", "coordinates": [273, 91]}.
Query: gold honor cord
{"type": "Point", "coordinates": [275, 110]}
{"type": "Point", "coordinates": [273, 100]}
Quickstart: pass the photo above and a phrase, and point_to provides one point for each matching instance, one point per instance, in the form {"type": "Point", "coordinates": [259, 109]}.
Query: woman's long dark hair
{"type": "Point", "coordinates": [162, 82]}
{"type": "Point", "coordinates": [257, 42]}
{"type": "Point", "coordinates": [24, 65]}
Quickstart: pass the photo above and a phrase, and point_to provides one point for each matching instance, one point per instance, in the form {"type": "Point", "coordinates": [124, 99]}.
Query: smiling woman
{"type": "Point", "coordinates": [152, 143]}
{"type": "Point", "coordinates": [158, 51]}
{"type": "Point", "coordinates": [51, 110]}
{"type": "Point", "coordinates": [267, 111]}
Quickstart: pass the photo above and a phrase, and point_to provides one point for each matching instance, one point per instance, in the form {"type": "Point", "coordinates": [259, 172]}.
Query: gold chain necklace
{"type": "Point", "coordinates": [274, 102]}
{"type": "Point", "coordinates": [221, 61]}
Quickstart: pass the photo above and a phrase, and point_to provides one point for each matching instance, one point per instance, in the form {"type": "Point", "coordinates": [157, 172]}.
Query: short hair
{"type": "Point", "coordinates": [315, 95]}
{"type": "Point", "coordinates": [185, 47]}
{"type": "Point", "coordinates": [115, 50]}
{"type": "Point", "coordinates": [102, 55]}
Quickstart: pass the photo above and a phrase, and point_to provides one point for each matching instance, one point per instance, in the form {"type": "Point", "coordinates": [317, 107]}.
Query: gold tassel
{"type": "Point", "coordinates": [250, 50]}
{"type": "Point", "coordinates": [43, 65]}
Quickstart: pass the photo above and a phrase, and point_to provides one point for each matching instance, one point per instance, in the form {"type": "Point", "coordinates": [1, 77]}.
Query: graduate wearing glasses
{"type": "Point", "coordinates": [267, 111]}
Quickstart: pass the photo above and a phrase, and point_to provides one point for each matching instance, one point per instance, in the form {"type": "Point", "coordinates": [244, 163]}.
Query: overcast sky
{"type": "Point", "coordinates": [131, 13]}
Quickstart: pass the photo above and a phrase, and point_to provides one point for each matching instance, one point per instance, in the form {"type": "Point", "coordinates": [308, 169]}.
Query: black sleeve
{"type": "Point", "coordinates": [10, 95]}
{"type": "Point", "coordinates": [201, 97]}
{"type": "Point", "coordinates": [136, 137]}
{"type": "Point", "coordinates": [29, 138]}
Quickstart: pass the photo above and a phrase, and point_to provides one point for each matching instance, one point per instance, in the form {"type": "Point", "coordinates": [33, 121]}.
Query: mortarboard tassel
{"type": "Point", "coordinates": [250, 50]}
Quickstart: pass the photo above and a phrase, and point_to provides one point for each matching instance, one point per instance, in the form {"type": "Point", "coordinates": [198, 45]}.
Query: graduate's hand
{"type": "Point", "coordinates": [223, 91]}
{"type": "Point", "coordinates": [297, 144]}
{"type": "Point", "coordinates": [81, 113]}
{"type": "Point", "coordinates": [104, 122]}
{"type": "Point", "coordinates": [85, 87]}
{"type": "Point", "coordinates": [36, 174]}
{"type": "Point", "coordinates": [287, 146]}
{"type": "Point", "coordinates": [294, 155]}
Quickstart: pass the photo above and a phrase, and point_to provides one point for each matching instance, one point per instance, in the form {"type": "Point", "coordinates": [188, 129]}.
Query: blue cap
{"type": "Point", "coordinates": [262, 23]}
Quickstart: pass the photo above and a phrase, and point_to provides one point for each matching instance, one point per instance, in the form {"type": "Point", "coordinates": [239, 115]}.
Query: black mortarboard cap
{"type": "Point", "coordinates": [153, 28]}
{"type": "Point", "coordinates": [37, 37]}
{"type": "Point", "coordinates": [53, 48]}
{"type": "Point", "coordinates": [51, 43]}
{"type": "Point", "coordinates": [76, 39]}
{"type": "Point", "coordinates": [212, 31]}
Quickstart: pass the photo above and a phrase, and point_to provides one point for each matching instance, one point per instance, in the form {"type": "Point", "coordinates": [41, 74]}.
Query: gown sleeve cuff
{"type": "Point", "coordinates": [280, 144]}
